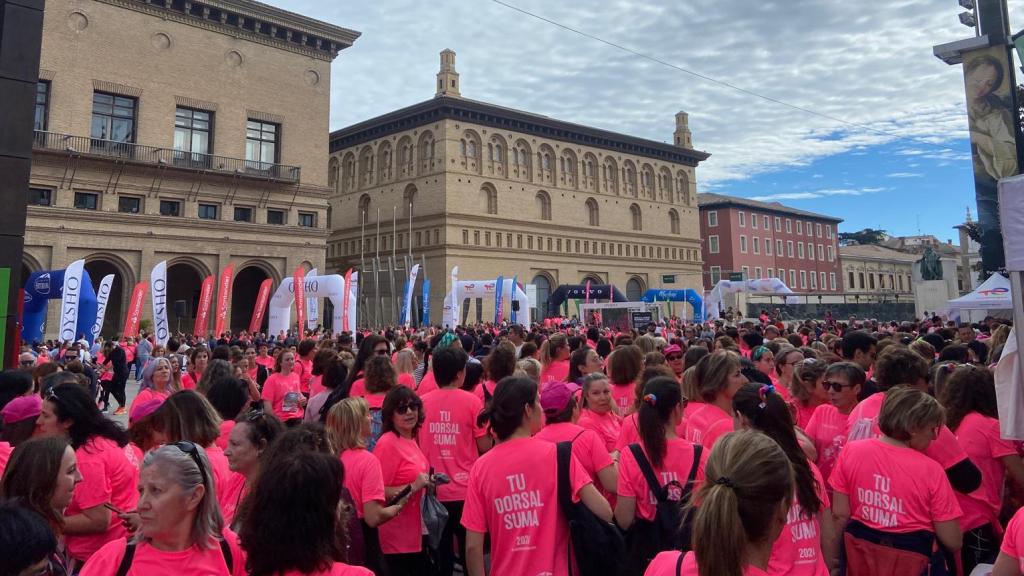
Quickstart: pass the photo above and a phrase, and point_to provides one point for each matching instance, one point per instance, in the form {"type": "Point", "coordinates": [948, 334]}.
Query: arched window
{"type": "Point", "coordinates": [543, 285]}
{"type": "Point", "coordinates": [634, 289]}
{"type": "Point", "coordinates": [462, 147]}
{"type": "Point", "coordinates": [408, 200]}
{"type": "Point", "coordinates": [489, 198]}
{"type": "Point", "coordinates": [364, 208]}
{"type": "Point", "coordinates": [546, 161]}
{"type": "Point", "coordinates": [593, 215]}
{"type": "Point", "coordinates": [497, 153]}
{"type": "Point", "coordinates": [471, 149]}
{"type": "Point", "coordinates": [683, 188]}
{"type": "Point", "coordinates": [638, 222]}
{"type": "Point", "coordinates": [333, 173]}
{"type": "Point", "coordinates": [673, 221]}
{"type": "Point", "coordinates": [544, 205]}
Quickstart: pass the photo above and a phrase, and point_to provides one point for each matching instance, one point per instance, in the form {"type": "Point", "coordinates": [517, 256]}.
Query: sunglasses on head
{"type": "Point", "coordinates": [835, 386]}
{"type": "Point", "coordinates": [193, 452]}
{"type": "Point", "coordinates": [406, 408]}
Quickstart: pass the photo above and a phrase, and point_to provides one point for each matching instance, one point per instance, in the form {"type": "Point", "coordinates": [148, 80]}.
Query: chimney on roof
{"type": "Point", "coordinates": [683, 137]}
{"type": "Point", "coordinates": [447, 77]}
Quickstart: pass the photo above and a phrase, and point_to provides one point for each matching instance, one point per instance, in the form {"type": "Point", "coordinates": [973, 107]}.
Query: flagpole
{"type": "Point", "coordinates": [378, 306]}
{"type": "Point", "coordinates": [394, 261]}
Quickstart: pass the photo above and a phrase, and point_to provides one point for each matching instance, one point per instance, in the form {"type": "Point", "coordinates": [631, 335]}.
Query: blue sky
{"type": "Point", "coordinates": [866, 63]}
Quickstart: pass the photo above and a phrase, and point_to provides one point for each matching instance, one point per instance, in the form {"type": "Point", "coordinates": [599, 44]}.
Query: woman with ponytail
{"type": "Point", "coordinates": [806, 548]}
{"type": "Point", "coordinates": [677, 465]}
{"type": "Point", "coordinates": [743, 508]}
{"type": "Point", "coordinates": [718, 375]}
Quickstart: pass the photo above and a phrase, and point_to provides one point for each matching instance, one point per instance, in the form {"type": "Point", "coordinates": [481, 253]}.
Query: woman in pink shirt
{"type": "Point", "coordinates": [404, 468]}
{"type": "Point", "coordinates": [405, 365]}
{"type": "Point", "coordinates": [554, 359]}
{"type": "Point", "coordinates": [181, 530]}
{"type": "Point", "coordinates": [764, 361]}
{"type": "Point", "coordinates": [887, 488]}
{"type": "Point", "coordinates": [280, 542]}
{"type": "Point", "coordinates": [106, 461]}
{"type": "Point", "coordinates": [372, 345]}
{"type": "Point", "coordinates": [969, 396]}
{"type": "Point", "coordinates": [718, 377]}
{"type": "Point", "coordinates": [584, 361]}
{"type": "Point", "coordinates": [499, 364]}
{"type": "Point", "coordinates": [282, 391]}
{"type": "Point", "coordinates": [156, 382]}
{"type": "Point", "coordinates": [198, 358]}
{"type": "Point", "coordinates": [743, 507]}
{"type": "Point", "coordinates": [598, 413]}
{"type": "Point", "coordinates": [512, 492]}
{"type": "Point", "coordinates": [827, 427]}
{"type": "Point", "coordinates": [1010, 561]}
{"type": "Point", "coordinates": [630, 431]}
{"type": "Point", "coordinates": [785, 365]}
{"type": "Point", "coordinates": [807, 547]}
{"type": "Point", "coordinates": [625, 364]}
{"type": "Point", "coordinates": [561, 413]}
{"type": "Point", "coordinates": [252, 434]}
{"type": "Point", "coordinates": [806, 390]}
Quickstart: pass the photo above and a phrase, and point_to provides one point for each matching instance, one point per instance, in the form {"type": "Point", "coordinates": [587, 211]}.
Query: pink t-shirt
{"type": "Point", "coordinates": [235, 491]}
{"type": "Point", "coordinates": [797, 551]}
{"type": "Point", "coordinates": [629, 433]}
{"type": "Point", "coordinates": [676, 466]}
{"type": "Point", "coordinates": [282, 392]}
{"type": "Point", "coordinates": [427, 384]}
{"type": "Point", "coordinates": [623, 395]}
{"type": "Point", "coordinates": [448, 438]}
{"type": "Point", "coordinates": [149, 561]}
{"type": "Point", "coordinates": [827, 430]}
{"type": "Point", "coordinates": [5, 455]}
{"type": "Point", "coordinates": [226, 427]}
{"type": "Point", "coordinates": [407, 380]}
{"type": "Point", "coordinates": [557, 371]}
{"type": "Point", "coordinates": [267, 362]}
{"type": "Point", "coordinates": [188, 382]}
{"type": "Point", "coordinates": [606, 425]}
{"type": "Point", "coordinates": [363, 477]}
{"type": "Point", "coordinates": [1013, 539]}
{"type": "Point", "coordinates": [979, 436]}
{"type": "Point", "coordinates": [316, 385]}
{"type": "Point", "coordinates": [804, 413]}
{"type": "Point", "coordinates": [587, 446]}
{"type": "Point", "coordinates": [863, 423]}
{"type": "Point", "coordinates": [338, 569]}
{"type": "Point", "coordinates": [479, 390]}
{"type": "Point", "coordinates": [664, 564]}
{"type": "Point", "coordinates": [892, 488]}
{"type": "Point", "coordinates": [401, 461]}
{"type": "Point", "coordinates": [222, 474]}
{"type": "Point", "coordinates": [146, 395]}
{"type": "Point", "coordinates": [707, 424]}
{"type": "Point", "coordinates": [304, 368]}
{"type": "Point", "coordinates": [110, 473]}
{"type": "Point", "coordinates": [513, 496]}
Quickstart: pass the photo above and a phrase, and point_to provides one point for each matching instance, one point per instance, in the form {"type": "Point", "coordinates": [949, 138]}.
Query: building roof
{"type": "Point", "coordinates": [502, 118]}
{"type": "Point", "coordinates": [709, 200]}
{"type": "Point", "coordinates": [875, 252]}
{"type": "Point", "coordinates": [918, 244]}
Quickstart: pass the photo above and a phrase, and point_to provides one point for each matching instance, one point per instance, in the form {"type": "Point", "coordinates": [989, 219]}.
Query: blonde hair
{"type": "Point", "coordinates": [907, 410]}
{"type": "Point", "coordinates": [712, 373]}
{"type": "Point", "coordinates": [646, 343]}
{"type": "Point", "coordinates": [748, 476]}
{"type": "Point", "coordinates": [923, 348]}
{"type": "Point", "coordinates": [550, 346]}
{"type": "Point", "coordinates": [345, 424]}
{"type": "Point", "coordinates": [405, 361]}
{"type": "Point", "coordinates": [806, 373]}
{"type": "Point", "coordinates": [530, 367]}
{"type": "Point", "coordinates": [689, 384]}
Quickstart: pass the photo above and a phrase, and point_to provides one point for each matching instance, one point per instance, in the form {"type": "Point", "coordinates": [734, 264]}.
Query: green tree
{"type": "Point", "coordinates": [865, 236]}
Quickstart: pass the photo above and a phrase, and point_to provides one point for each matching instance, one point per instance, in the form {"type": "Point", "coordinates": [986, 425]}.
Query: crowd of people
{"type": "Point", "coordinates": [746, 447]}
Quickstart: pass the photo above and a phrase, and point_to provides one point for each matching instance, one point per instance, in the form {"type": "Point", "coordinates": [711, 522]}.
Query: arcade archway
{"type": "Point", "coordinates": [99, 266]}
{"type": "Point", "coordinates": [243, 297]}
{"type": "Point", "coordinates": [184, 283]}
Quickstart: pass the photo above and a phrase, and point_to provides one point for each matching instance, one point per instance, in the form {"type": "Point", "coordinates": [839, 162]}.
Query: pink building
{"type": "Point", "coordinates": [769, 240]}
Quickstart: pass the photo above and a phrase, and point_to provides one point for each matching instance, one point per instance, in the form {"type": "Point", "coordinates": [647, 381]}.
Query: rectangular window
{"type": "Point", "coordinates": [831, 254]}
{"type": "Point", "coordinates": [307, 219]}
{"type": "Point", "coordinates": [713, 244]}
{"type": "Point", "coordinates": [743, 244]}
{"type": "Point", "coordinates": [821, 252]}
{"type": "Point", "coordinates": [849, 280]}
{"type": "Point", "coordinates": [277, 217]}
{"type": "Point", "coordinates": [261, 144]}
{"type": "Point", "coordinates": [129, 204]}
{"type": "Point", "coordinates": [87, 200]}
{"type": "Point", "coordinates": [208, 211]}
{"type": "Point", "coordinates": [789, 226]}
{"type": "Point", "coordinates": [765, 222]}
{"type": "Point", "coordinates": [465, 236]}
{"type": "Point", "coordinates": [743, 219]}
{"type": "Point", "coordinates": [745, 270]}
{"type": "Point", "coordinates": [860, 280]}
{"type": "Point", "coordinates": [871, 281]}
{"type": "Point", "coordinates": [768, 246]}
{"type": "Point", "coordinates": [476, 238]}
{"type": "Point", "coordinates": [713, 218]}
{"type": "Point", "coordinates": [487, 238]}
{"type": "Point", "coordinates": [832, 280]}
{"type": "Point", "coordinates": [756, 243]}
{"type": "Point", "coordinates": [808, 228]}
{"type": "Point", "coordinates": [789, 248]}
{"type": "Point", "coordinates": [716, 274]}
{"type": "Point", "coordinates": [800, 250]}
{"type": "Point", "coordinates": [170, 208]}
{"type": "Point", "coordinates": [192, 130]}
{"type": "Point", "coordinates": [814, 281]}
{"type": "Point", "coordinates": [828, 231]}
{"type": "Point", "coordinates": [822, 283]}
{"type": "Point", "coordinates": [113, 118]}
{"type": "Point", "coordinates": [757, 272]}
{"type": "Point", "coordinates": [792, 278]}
{"type": "Point", "coordinates": [901, 282]}
{"type": "Point", "coordinates": [753, 221]}
{"type": "Point", "coordinates": [778, 247]}
{"type": "Point", "coordinates": [40, 197]}
{"type": "Point", "coordinates": [799, 228]}
{"type": "Point", "coordinates": [771, 273]}
{"type": "Point", "coordinates": [778, 224]}
{"type": "Point", "coordinates": [42, 119]}
{"type": "Point", "coordinates": [817, 230]}
{"type": "Point", "coordinates": [243, 214]}
{"type": "Point", "coordinates": [803, 279]}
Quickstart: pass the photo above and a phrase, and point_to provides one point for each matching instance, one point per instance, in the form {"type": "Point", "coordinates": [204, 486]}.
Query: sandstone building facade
{"type": "Point", "coordinates": [453, 181]}
{"type": "Point", "coordinates": [187, 131]}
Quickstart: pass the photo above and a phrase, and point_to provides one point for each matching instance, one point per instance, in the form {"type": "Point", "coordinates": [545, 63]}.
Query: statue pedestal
{"type": "Point", "coordinates": [930, 295]}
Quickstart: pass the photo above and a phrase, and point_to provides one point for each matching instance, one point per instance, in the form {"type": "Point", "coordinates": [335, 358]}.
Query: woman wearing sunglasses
{"type": "Point", "coordinates": [827, 426]}
{"type": "Point", "coordinates": [107, 463]}
{"type": "Point", "coordinates": [181, 530]}
{"type": "Point", "coordinates": [405, 471]}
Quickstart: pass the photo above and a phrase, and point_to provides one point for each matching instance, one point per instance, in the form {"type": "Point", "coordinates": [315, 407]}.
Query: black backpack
{"type": "Point", "coordinates": [598, 545]}
{"type": "Point", "coordinates": [669, 530]}
{"type": "Point", "coordinates": [129, 555]}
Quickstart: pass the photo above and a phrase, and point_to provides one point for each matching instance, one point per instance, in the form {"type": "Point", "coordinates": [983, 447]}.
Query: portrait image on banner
{"type": "Point", "coordinates": [988, 81]}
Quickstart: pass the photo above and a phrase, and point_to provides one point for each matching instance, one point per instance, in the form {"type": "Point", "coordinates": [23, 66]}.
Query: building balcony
{"type": "Point", "coordinates": [83, 146]}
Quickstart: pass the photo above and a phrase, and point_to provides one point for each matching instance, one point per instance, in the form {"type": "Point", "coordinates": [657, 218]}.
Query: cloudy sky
{"type": "Point", "coordinates": [868, 64]}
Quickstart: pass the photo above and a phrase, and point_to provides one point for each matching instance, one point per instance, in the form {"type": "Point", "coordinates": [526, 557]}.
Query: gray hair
{"type": "Point", "coordinates": [147, 374]}
{"type": "Point", "coordinates": [179, 467]}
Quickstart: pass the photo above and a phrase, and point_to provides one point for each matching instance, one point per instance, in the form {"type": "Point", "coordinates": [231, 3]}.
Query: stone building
{"type": "Point", "coordinates": [498, 191]}
{"type": "Point", "coordinates": [193, 132]}
{"type": "Point", "coordinates": [872, 269]}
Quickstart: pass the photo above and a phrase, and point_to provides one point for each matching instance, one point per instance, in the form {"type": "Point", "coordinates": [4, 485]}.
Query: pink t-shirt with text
{"type": "Point", "coordinates": [979, 436]}
{"type": "Point", "coordinates": [623, 395]}
{"type": "Point", "coordinates": [675, 466]}
{"type": "Point", "coordinates": [893, 488]}
{"type": "Point", "coordinates": [587, 446]}
{"type": "Point", "coordinates": [282, 392]}
{"type": "Point", "coordinates": [110, 473]}
{"type": "Point", "coordinates": [448, 438]}
{"type": "Point", "coordinates": [606, 425]}
{"type": "Point", "coordinates": [797, 551]}
{"type": "Point", "coordinates": [513, 496]}
{"type": "Point", "coordinates": [557, 371]}
{"type": "Point", "coordinates": [363, 478]}
{"type": "Point", "coordinates": [401, 461]}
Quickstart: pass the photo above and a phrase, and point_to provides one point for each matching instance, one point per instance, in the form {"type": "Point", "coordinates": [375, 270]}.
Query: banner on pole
{"type": "Point", "coordinates": [299, 290]}
{"type": "Point", "coordinates": [352, 290]}
{"type": "Point", "coordinates": [312, 306]}
{"type": "Point", "coordinates": [515, 315]}
{"type": "Point", "coordinates": [410, 283]}
{"type": "Point", "coordinates": [345, 301]}
{"type": "Point", "coordinates": [456, 304]}
{"type": "Point", "coordinates": [70, 300]}
{"type": "Point", "coordinates": [131, 322]}
{"type": "Point", "coordinates": [203, 314]}
{"type": "Point", "coordinates": [425, 321]}
{"type": "Point", "coordinates": [161, 326]}
{"type": "Point", "coordinates": [102, 299]}
{"type": "Point", "coordinates": [498, 300]}
{"type": "Point", "coordinates": [223, 298]}
{"type": "Point", "coordinates": [260, 308]}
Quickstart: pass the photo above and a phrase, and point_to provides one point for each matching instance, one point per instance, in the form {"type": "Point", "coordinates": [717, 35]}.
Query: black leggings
{"type": "Point", "coordinates": [117, 386]}
{"type": "Point", "coordinates": [413, 564]}
{"type": "Point", "coordinates": [452, 529]}
{"type": "Point", "coordinates": [980, 547]}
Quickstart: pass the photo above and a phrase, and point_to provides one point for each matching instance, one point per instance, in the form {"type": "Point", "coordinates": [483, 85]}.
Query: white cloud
{"type": "Point", "coordinates": [868, 64]}
{"type": "Point", "coordinates": [818, 194]}
{"type": "Point", "coordinates": [904, 175]}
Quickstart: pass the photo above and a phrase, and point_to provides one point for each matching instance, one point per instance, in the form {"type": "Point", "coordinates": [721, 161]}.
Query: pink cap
{"type": "Point", "coordinates": [140, 411]}
{"type": "Point", "coordinates": [556, 395]}
{"type": "Point", "coordinates": [21, 408]}
{"type": "Point", "coordinates": [671, 348]}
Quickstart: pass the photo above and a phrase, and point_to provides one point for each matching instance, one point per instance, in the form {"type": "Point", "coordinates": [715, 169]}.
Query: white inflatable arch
{"type": "Point", "coordinates": [331, 286]}
{"type": "Point", "coordinates": [713, 303]}
{"type": "Point", "coordinates": [484, 289]}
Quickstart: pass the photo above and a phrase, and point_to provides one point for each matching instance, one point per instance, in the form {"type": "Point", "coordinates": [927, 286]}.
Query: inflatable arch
{"type": "Point", "coordinates": [686, 295]}
{"type": "Point", "coordinates": [484, 289]}
{"type": "Point", "coordinates": [331, 286]}
{"type": "Point", "coordinates": [75, 320]}
{"type": "Point", "coordinates": [713, 303]}
{"type": "Point", "coordinates": [579, 292]}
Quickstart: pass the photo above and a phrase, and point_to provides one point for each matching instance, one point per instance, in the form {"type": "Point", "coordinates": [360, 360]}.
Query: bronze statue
{"type": "Point", "coordinates": [931, 267]}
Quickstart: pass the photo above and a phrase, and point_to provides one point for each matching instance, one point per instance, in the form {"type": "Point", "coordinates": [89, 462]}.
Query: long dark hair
{"type": "Point", "coordinates": [968, 389]}
{"type": "Point", "coordinates": [505, 413]}
{"type": "Point", "coordinates": [661, 396]}
{"type": "Point", "coordinates": [400, 396]}
{"type": "Point", "coordinates": [578, 357]}
{"type": "Point", "coordinates": [335, 375]}
{"type": "Point", "coordinates": [292, 520]}
{"type": "Point", "coordinates": [72, 402]}
{"type": "Point", "coordinates": [26, 537]}
{"type": "Point", "coordinates": [362, 357]}
{"type": "Point", "coordinates": [31, 477]}
{"type": "Point", "coordinates": [767, 412]}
